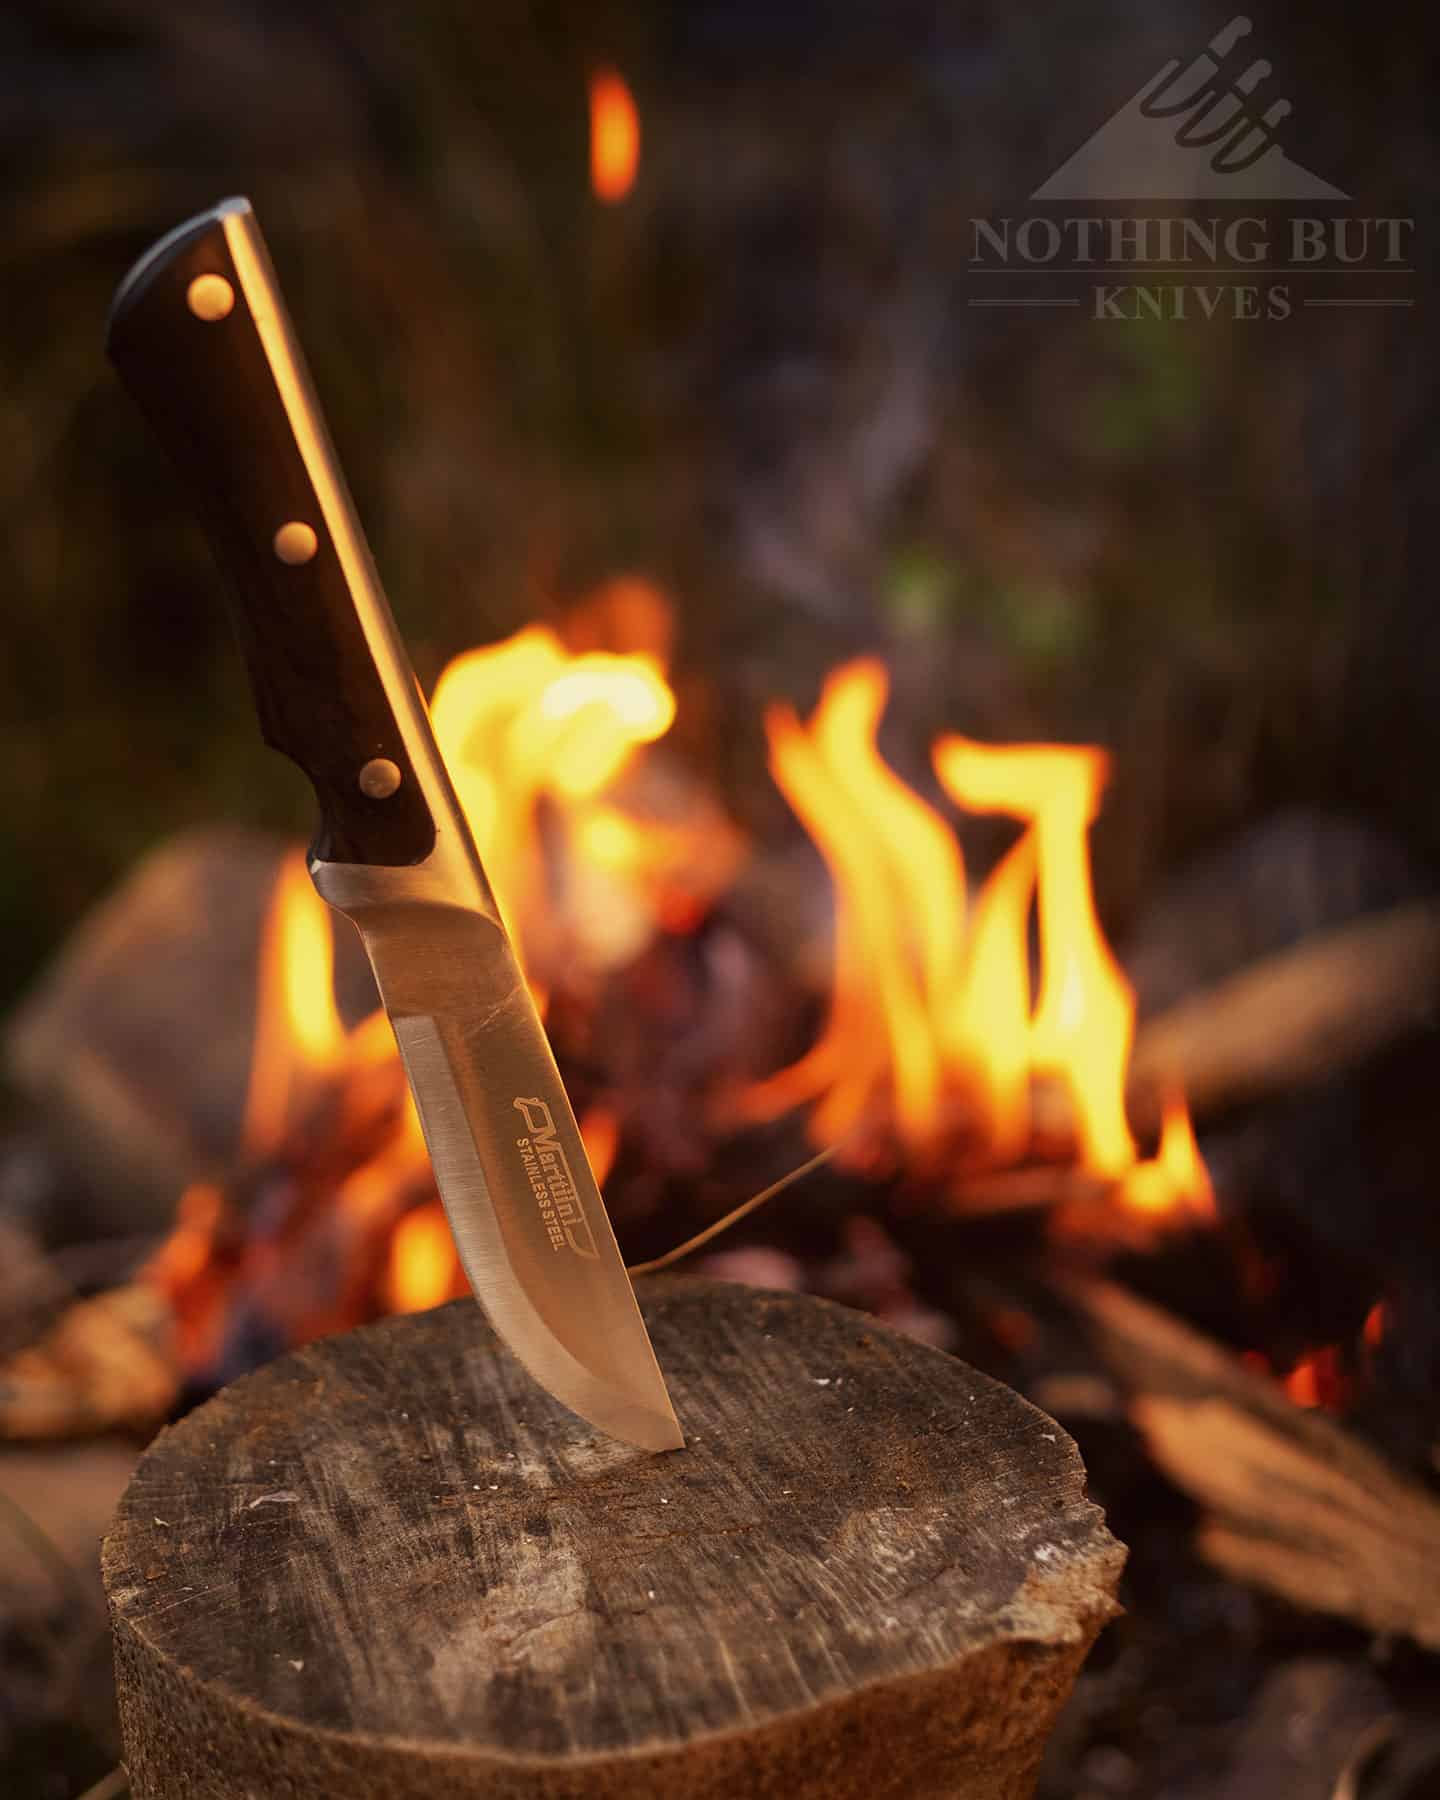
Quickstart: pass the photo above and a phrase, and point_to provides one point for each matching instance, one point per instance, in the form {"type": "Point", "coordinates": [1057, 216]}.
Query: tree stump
{"type": "Point", "coordinates": [389, 1565]}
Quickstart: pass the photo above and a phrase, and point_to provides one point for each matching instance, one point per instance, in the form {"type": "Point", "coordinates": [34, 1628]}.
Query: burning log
{"type": "Point", "coordinates": [390, 1562]}
{"type": "Point", "coordinates": [1294, 1503]}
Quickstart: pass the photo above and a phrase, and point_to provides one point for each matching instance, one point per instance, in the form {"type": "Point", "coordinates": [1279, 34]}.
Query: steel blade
{"type": "Point", "coordinates": [527, 1216]}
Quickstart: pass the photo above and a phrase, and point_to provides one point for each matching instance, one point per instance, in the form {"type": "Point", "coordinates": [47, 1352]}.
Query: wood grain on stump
{"type": "Point", "coordinates": [389, 1565]}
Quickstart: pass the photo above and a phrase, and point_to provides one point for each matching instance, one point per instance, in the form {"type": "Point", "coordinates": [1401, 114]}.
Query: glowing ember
{"type": "Point", "coordinates": [614, 136]}
{"type": "Point", "coordinates": [1319, 1379]}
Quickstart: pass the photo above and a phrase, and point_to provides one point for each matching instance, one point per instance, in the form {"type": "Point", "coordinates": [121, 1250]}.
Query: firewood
{"type": "Point", "coordinates": [32, 1289]}
{"type": "Point", "coordinates": [389, 1564]}
{"type": "Point", "coordinates": [1294, 1017]}
{"type": "Point", "coordinates": [1293, 1502]}
{"type": "Point", "coordinates": [1315, 1723]}
{"type": "Point", "coordinates": [135, 1047]}
{"type": "Point", "coordinates": [104, 1365]}
{"type": "Point", "coordinates": [1029, 1187]}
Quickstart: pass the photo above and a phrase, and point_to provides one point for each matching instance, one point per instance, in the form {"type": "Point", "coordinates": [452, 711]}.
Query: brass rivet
{"type": "Point", "coordinates": [210, 297]}
{"type": "Point", "coordinates": [295, 542]}
{"type": "Point", "coordinates": [379, 778]}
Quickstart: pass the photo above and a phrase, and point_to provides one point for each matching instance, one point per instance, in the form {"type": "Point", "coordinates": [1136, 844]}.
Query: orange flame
{"type": "Point", "coordinates": [899, 883]}
{"type": "Point", "coordinates": [185, 1272]}
{"type": "Point", "coordinates": [600, 1133]}
{"type": "Point", "coordinates": [523, 723]}
{"type": "Point", "coordinates": [987, 1033]}
{"type": "Point", "coordinates": [930, 1011]}
{"type": "Point", "coordinates": [614, 136]}
{"type": "Point", "coordinates": [1085, 1013]}
{"type": "Point", "coordinates": [423, 1265]}
{"type": "Point", "coordinates": [932, 1032]}
{"type": "Point", "coordinates": [298, 1033]}
{"type": "Point", "coordinates": [1174, 1182]}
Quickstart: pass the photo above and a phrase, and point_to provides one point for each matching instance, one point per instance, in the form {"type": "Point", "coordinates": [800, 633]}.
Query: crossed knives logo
{"type": "Point", "coordinates": [1200, 130]}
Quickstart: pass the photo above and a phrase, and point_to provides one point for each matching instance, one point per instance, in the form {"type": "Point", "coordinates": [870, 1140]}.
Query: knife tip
{"type": "Point", "coordinates": [656, 1432]}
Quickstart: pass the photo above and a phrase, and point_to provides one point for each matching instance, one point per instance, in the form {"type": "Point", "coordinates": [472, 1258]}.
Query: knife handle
{"type": "Point", "coordinates": [200, 335]}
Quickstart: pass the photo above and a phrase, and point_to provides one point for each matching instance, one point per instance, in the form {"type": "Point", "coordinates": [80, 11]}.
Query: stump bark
{"type": "Point", "coordinates": [390, 1565]}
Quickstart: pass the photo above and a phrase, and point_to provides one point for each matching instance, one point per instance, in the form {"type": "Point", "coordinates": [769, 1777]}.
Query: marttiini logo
{"type": "Point", "coordinates": [547, 1168]}
{"type": "Point", "coordinates": [1199, 141]}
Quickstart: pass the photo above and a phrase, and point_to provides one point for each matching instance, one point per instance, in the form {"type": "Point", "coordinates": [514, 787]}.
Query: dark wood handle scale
{"type": "Point", "coordinates": [200, 335]}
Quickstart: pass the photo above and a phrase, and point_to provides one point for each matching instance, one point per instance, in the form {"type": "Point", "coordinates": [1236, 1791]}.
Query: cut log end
{"type": "Point", "coordinates": [388, 1564]}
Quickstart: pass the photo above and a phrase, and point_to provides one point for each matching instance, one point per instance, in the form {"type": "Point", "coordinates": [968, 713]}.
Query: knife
{"type": "Point", "coordinates": [200, 335]}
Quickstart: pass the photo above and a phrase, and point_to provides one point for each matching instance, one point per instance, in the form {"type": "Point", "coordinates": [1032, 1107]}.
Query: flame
{"type": "Point", "coordinates": [899, 883]}
{"type": "Point", "coordinates": [372, 1043]}
{"type": "Point", "coordinates": [534, 737]}
{"type": "Point", "coordinates": [933, 1041]}
{"type": "Point", "coordinates": [1084, 1017]}
{"type": "Point", "coordinates": [931, 1014]}
{"type": "Point", "coordinates": [614, 136]}
{"type": "Point", "coordinates": [1174, 1182]}
{"type": "Point", "coordinates": [298, 1033]}
{"type": "Point", "coordinates": [423, 1264]}
{"type": "Point", "coordinates": [600, 1133]}
{"type": "Point", "coordinates": [524, 725]}
{"type": "Point", "coordinates": [987, 1032]}
{"type": "Point", "coordinates": [184, 1270]}
{"type": "Point", "coordinates": [610, 840]}
{"type": "Point", "coordinates": [187, 1250]}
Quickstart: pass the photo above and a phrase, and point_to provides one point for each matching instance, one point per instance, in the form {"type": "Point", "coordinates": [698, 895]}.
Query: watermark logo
{"type": "Point", "coordinates": [1197, 131]}
{"type": "Point", "coordinates": [1203, 128]}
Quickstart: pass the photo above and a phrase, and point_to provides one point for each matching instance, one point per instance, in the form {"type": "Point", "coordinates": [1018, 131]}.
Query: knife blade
{"type": "Point", "coordinates": [200, 334]}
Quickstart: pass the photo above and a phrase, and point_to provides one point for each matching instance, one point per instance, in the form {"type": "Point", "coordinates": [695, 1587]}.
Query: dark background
{"type": "Point", "coordinates": [1206, 545]}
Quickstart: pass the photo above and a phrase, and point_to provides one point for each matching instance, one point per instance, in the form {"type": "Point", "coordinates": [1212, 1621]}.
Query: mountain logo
{"type": "Point", "coordinates": [1197, 131]}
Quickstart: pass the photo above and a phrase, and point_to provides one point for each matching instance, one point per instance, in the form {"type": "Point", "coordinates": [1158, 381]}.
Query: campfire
{"type": "Point", "coordinates": [940, 1063]}
{"type": "Point", "coordinates": [862, 992]}
{"type": "Point", "coordinates": [960, 1041]}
